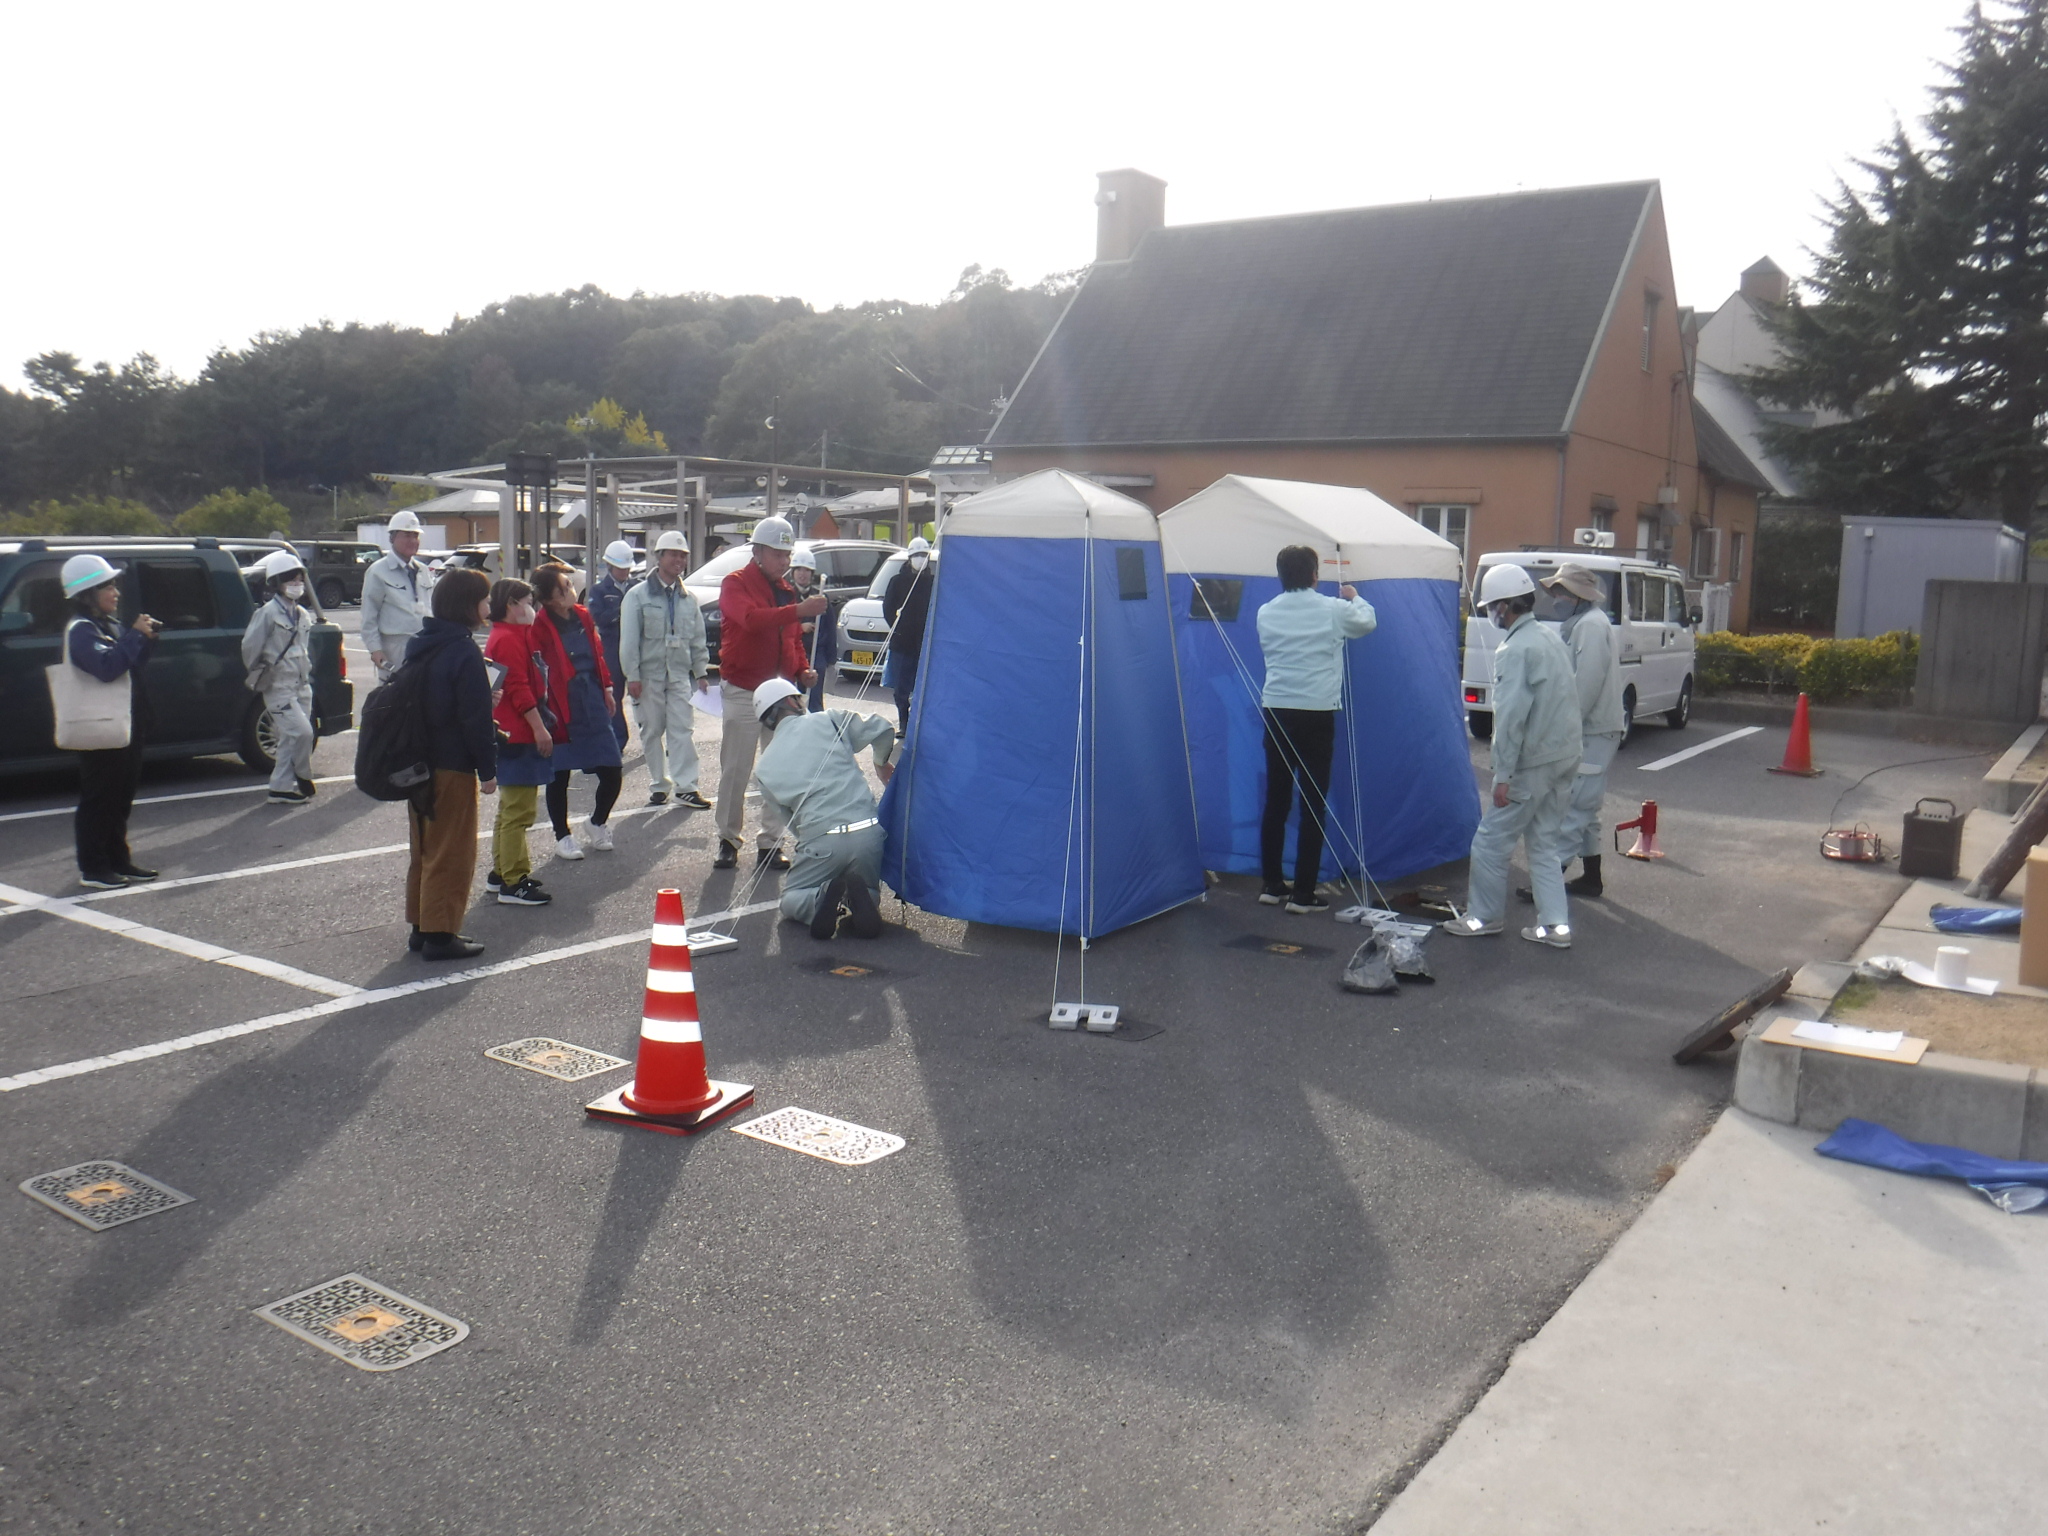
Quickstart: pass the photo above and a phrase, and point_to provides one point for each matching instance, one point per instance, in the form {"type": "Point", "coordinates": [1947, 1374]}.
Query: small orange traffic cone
{"type": "Point", "coordinates": [1646, 833]}
{"type": "Point", "coordinates": [1799, 746]}
{"type": "Point", "coordinates": [671, 1090]}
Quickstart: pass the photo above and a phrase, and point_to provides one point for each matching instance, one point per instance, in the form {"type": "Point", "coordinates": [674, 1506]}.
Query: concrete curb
{"type": "Point", "coordinates": [1904, 723]}
{"type": "Point", "coordinates": [2004, 790]}
{"type": "Point", "coordinates": [1993, 1107]}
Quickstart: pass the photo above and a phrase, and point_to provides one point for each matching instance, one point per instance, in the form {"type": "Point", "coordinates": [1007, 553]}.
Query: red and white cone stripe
{"type": "Point", "coordinates": [669, 1078]}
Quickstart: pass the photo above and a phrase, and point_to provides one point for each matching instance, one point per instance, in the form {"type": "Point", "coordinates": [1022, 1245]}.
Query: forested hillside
{"type": "Point", "coordinates": [311, 414]}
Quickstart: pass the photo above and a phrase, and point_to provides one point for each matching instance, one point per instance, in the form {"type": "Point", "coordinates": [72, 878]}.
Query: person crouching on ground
{"type": "Point", "coordinates": [810, 777]}
{"type": "Point", "coordinates": [530, 709]}
{"type": "Point", "coordinates": [1302, 634]}
{"type": "Point", "coordinates": [569, 644]}
{"type": "Point", "coordinates": [276, 651]}
{"type": "Point", "coordinates": [463, 752]}
{"type": "Point", "coordinates": [1536, 753]}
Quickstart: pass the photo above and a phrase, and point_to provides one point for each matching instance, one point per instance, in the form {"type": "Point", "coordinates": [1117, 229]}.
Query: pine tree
{"type": "Point", "coordinates": [1928, 317]}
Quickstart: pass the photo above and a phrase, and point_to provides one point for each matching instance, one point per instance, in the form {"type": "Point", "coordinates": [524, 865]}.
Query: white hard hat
{"type": "Point", "coordinates": [81, 573]}
{"type": "Point", "coordinates": [278, 562]}
{"type": "Point", "coordinates": [919, 547]}
{"type": "Point", "coordinates": [672, 539]}
{"type": "Point", "coordinates": [1504, 581]}
{"type": "Point", "coordinates": [619, 553]}
{"type": "Point", "coordinates": [805, 559]}
{"type": "Point", "coordinates": [772, 693]}
{"type": "Point", "coordinates": [404, 522]}
{"type": "Point", "coordinates": [774, 533]}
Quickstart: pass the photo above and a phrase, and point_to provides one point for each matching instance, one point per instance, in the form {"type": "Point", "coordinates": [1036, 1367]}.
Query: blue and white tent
{"type": "Point", "coordinates": [1047, 781]}
{"type": "Point", "coordinates": [1401, 790]}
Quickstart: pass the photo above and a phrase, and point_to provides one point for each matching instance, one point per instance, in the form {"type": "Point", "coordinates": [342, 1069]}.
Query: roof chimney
{"type": "Point", "coordinates": [1128, 206]}
{"type": "Point", "coordinates": [1766, 283]}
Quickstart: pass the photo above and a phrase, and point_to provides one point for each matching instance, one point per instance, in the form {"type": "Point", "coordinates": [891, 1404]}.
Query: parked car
{"type": "Point", "coordinates": [863, 631]}
{"type": "Point", "coordinates": [484, 557]}
{"type": "Point", "coordinates": [1652, 623]}
{"type": "Point", "coordinates": [846, 569]}
{"type": "Point", "coordinates": [197, 588]}
{"type": "Point", "coordinates": [335, 567]}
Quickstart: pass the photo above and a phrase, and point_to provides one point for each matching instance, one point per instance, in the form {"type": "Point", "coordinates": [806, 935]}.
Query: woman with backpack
{"type": "Point", "coordinates": [533, 706]}
{"type": "Point", "coordinates": [103, 716]}
{"type": "Point", "coordinates": [566, 637]}
{"type": "Point", "coordinates": [454, 699]}
{"type": "Point", "coordinates": [275, 650]}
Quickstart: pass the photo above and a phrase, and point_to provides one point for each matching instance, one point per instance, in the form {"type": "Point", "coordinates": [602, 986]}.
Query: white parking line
{"type": "Point", "coordinates": [1705, 746]}
{"type": "Point", "coordinates": [177, 943]}
{"type": "Point", "coordinates": [197, 794]}
{"type": "Point", "coordinates": [356, 999]}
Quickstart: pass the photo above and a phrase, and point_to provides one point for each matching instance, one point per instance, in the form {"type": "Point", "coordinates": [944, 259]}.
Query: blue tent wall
{"type": "Point", "coordinates": [981, 812]}
{"type": "Point", "coordinates": [1402, 732]}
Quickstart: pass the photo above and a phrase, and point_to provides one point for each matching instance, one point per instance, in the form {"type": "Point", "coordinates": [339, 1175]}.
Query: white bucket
{"type": "Point", "coordinates": [1952, 966]}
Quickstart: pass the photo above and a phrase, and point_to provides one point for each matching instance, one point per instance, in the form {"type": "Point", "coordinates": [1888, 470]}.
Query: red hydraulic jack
{"type": "Point", "coordinates": [1646, 834]}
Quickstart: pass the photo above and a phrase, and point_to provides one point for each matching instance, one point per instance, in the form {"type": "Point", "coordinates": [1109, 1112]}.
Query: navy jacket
{"type": "Point", "coordinates": [462, 736]}
{"type": "Point", "coordinates": [603, 600]}
{"type": "Point", "coordinates": [101, 648]}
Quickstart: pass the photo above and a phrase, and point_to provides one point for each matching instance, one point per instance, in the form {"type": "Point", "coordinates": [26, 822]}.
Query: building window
{"type": "Point", "coordinates": [1448, 522]}
{"type": "Point", "coordinates": [1706, 553]}
{"type": "Point", "coordinates": [1735, 543]}
{"type": "Point", "coordinates": [1650, 302]}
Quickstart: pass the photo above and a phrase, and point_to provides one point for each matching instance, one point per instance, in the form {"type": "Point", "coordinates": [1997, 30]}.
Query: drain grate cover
{"type": "Point", "coordinates": [555, 1058]}
{"type": "Point", "coordinates": [371, 1328]}
{"type": "Point", "coordinates": [102, 1195]}
{"type": "Point", "coordinates": [836, 1141]}
{"type": "Point", "coordinates": [1286, 949]}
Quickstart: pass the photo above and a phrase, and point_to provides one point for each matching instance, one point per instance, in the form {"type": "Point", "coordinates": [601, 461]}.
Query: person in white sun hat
{"type": "Point", "coordinates": [1536, 753]}
{"type": "Point", "coordinates": [664, 656]}
{"type": "Point", "coordinates": [395, 596]}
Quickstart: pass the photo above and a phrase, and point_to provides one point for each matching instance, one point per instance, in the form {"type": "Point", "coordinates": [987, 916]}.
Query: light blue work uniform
{"type": "Point", "coordinates": [276, 645]}
{"type": "Point", "coordinates": [1302, 635]}
{"type": "Point", "coordinates": [662, 648]}
{"type": "Point", "coordinates": [809, 775]}
{"type": "Point", "coordinates": [1589, 636]}
{"type": "Point", "coordinates": [1537, 747]}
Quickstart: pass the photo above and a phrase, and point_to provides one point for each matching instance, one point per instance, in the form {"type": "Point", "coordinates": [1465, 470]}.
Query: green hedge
{"type": "Point", "coordinates": [1880, 670]}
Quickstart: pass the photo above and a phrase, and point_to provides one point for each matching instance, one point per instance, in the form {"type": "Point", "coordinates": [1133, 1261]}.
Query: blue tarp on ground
{"type": "Point", "coordinates": [1046, 783]}
{"type": "Point", "coordinates": [1401, 789]}
{"type": "Point", "coordinates": [2012, 1186]}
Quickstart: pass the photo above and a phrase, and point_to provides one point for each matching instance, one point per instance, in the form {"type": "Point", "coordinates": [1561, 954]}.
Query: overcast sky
{"type": "Point", "coordinates": [184, 176]}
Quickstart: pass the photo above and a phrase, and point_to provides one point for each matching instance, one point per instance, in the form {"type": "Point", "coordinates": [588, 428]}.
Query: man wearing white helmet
{"type": "Point", "coordinates": [760, 637]}
{"type": "Point", "coordinates": [664, 656]}
{"type": "Point", "coordinates": [606, 596]}
{"type": "Point", "coordinates": [1536, 753]}
{"type": "Point", "coordinates": [810, 777]}
{"type": "Point", "coordinates": [394, 597]}
{"type": "Point", "coordinates": [905, 602]}
{"type": "Point", "coordinates": [821, 645]}
{"type": "Point", "coordinates": [275, 649]}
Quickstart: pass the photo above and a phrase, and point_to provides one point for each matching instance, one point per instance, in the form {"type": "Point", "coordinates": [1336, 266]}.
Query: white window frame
{"type": "Point", "coordinates": [1437, 517]}
{"type": "Point", "coordinates": [1706, 542]}
{"type": "Point", "coordinates": [1736, 541]}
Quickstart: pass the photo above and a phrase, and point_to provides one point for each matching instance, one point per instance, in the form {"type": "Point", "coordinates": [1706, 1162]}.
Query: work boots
{"type": "Point", "coordinates": [1588, 884]}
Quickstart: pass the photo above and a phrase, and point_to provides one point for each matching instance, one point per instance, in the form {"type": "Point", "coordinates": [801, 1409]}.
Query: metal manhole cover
{"type": "Point", "coordinates": [836, 1141]}
{"type": "Point", "coordinates": [844, 969]}
{"type": "Point", "coordinates": [102, 1195]}
{"type": "Point", "coordinates": [850, 971]}
{"type": "Point", "coordinates": [371, 1328]}
{"type": "Point", "coordinates": [1286, 949]}
{"type": "Point", "coordinates": [555, 1058]}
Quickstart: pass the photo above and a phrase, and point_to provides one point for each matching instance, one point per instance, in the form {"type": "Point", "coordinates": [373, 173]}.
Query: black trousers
{"type": "Point", "coordinates": [608, 780]}
{"type": "Point", "coordinates": [1300, 744]}
{"type": "Point", "coordinates": [906, 685]}
{"type": "Point", "coordinates": [106, 793]}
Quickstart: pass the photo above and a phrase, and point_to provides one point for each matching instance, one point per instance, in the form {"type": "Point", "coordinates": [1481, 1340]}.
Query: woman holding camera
{"type": "Point", "coordinates": [97, 646]}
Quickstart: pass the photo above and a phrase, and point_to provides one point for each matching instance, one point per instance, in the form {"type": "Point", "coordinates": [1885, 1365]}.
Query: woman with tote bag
{"type": "Point", "coordinates": [103, 717]}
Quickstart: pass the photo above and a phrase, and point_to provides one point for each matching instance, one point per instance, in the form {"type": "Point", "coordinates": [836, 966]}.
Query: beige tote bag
{"type": "Point", "coordinates": [92, 716]}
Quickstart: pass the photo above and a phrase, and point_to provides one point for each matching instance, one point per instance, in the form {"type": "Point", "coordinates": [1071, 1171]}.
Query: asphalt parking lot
{"type": "Point", "coordinates": [1234, 1277]}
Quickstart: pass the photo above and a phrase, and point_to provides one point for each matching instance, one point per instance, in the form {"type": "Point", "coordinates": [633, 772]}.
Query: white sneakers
{"type": "Point", "coordinates": [1557, 935]}
{"type": "Point", "coordinates": [565, 847]}
{"type": "Point", "coordinates": [598, 837]}
{"type": "Point", "coordinates": [1470, 928]}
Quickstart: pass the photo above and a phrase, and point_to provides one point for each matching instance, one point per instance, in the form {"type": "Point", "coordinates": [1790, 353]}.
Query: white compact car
{"type": "Point", "coordinates": [1652, 623]}
{"type": "Point", "coordinates": [863, 632]}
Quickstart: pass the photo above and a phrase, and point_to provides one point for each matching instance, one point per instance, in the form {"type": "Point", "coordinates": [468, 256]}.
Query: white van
{"type": "Point", "coordinates": [1652, 626]}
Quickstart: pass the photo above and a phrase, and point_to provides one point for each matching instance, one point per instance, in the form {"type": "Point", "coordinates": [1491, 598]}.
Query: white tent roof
{"type": "Point", "coordinates": [1237, 525]}
{"type": "Point", "coordinates": [1051, 504]}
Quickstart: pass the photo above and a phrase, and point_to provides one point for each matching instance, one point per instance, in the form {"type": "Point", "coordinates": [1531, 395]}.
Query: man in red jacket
{"type": "Point", "coordinates": [760, 636]}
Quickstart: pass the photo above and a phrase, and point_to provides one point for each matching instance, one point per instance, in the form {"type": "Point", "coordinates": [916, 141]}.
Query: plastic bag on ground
{"type": "Point", "coordinates": [1371, 967]}
{"type": "Point", "coordinates": [1404, 943]}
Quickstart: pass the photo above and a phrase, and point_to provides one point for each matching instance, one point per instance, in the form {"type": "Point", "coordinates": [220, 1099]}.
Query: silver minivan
{"type": "Point", "coordinates": [1652, 623]}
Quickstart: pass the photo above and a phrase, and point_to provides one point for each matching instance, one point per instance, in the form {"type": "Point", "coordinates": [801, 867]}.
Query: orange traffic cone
{"type": "Point", "coordinates": [671, 1091]}
{"type": "Point", "coordinates": [1646, 833]}
{"type": "Point", "coordinates": [1799, 746]}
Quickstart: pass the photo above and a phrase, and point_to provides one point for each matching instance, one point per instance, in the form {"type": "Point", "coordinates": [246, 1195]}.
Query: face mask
{"type": "Point", "coordinates": [917, 561]}
{"type": "Point", "coordinates": [295, 590]}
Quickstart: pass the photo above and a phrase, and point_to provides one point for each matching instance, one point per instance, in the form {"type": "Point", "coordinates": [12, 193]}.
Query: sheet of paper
{"type": "Point", "coordinates": [709, 701]}
{"type": "Point", "coordinates": [1821, 1033]}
